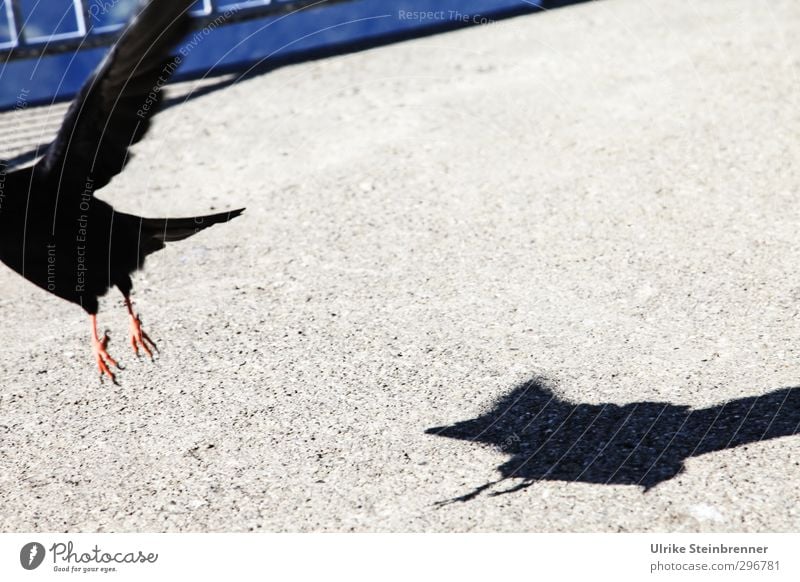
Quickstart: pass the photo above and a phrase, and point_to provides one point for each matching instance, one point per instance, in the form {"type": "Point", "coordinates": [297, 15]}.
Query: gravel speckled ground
{"type": "Point", "coordinates": [603, 196]}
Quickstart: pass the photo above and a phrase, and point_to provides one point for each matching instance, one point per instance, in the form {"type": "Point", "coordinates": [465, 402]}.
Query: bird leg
{"type": "Point", "coordinates": [138, 337]}
{"type": "Point", "coordinates": [104, 360]}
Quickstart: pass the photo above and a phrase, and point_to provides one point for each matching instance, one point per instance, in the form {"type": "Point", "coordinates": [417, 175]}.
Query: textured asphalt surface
{"type": "Point", "coordinates": [558, 251]}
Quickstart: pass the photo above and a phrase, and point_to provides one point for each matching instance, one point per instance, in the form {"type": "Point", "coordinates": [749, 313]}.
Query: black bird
{"type": "Point", "coordinates": [53, 231]}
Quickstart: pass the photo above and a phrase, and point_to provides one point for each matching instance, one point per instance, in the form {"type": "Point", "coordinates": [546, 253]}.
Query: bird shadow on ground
{"type": "Point", "coordinates": [642, 443]}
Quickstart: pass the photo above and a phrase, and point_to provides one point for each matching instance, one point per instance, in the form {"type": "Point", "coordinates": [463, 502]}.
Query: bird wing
{"type": "Point", "coordinates": [16, 180]}
{"type": "Point", "coordinates": [113, 108]}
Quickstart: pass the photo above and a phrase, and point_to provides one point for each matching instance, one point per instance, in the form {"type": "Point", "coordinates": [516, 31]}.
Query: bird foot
{"type": "Point", "coordinates": [140, 339]}
{"type": "Point", "coordinates": [104, 359]}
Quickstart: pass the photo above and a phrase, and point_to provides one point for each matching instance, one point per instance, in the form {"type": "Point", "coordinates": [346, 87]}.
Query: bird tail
{"type": "Point", "coordinates": [172, 229]}
{"type": "Point", "coordinates": [154, 232]}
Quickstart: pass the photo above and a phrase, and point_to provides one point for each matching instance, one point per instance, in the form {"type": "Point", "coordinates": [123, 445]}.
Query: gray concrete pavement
{"type": "Point", "coordinates": [603, 195]}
